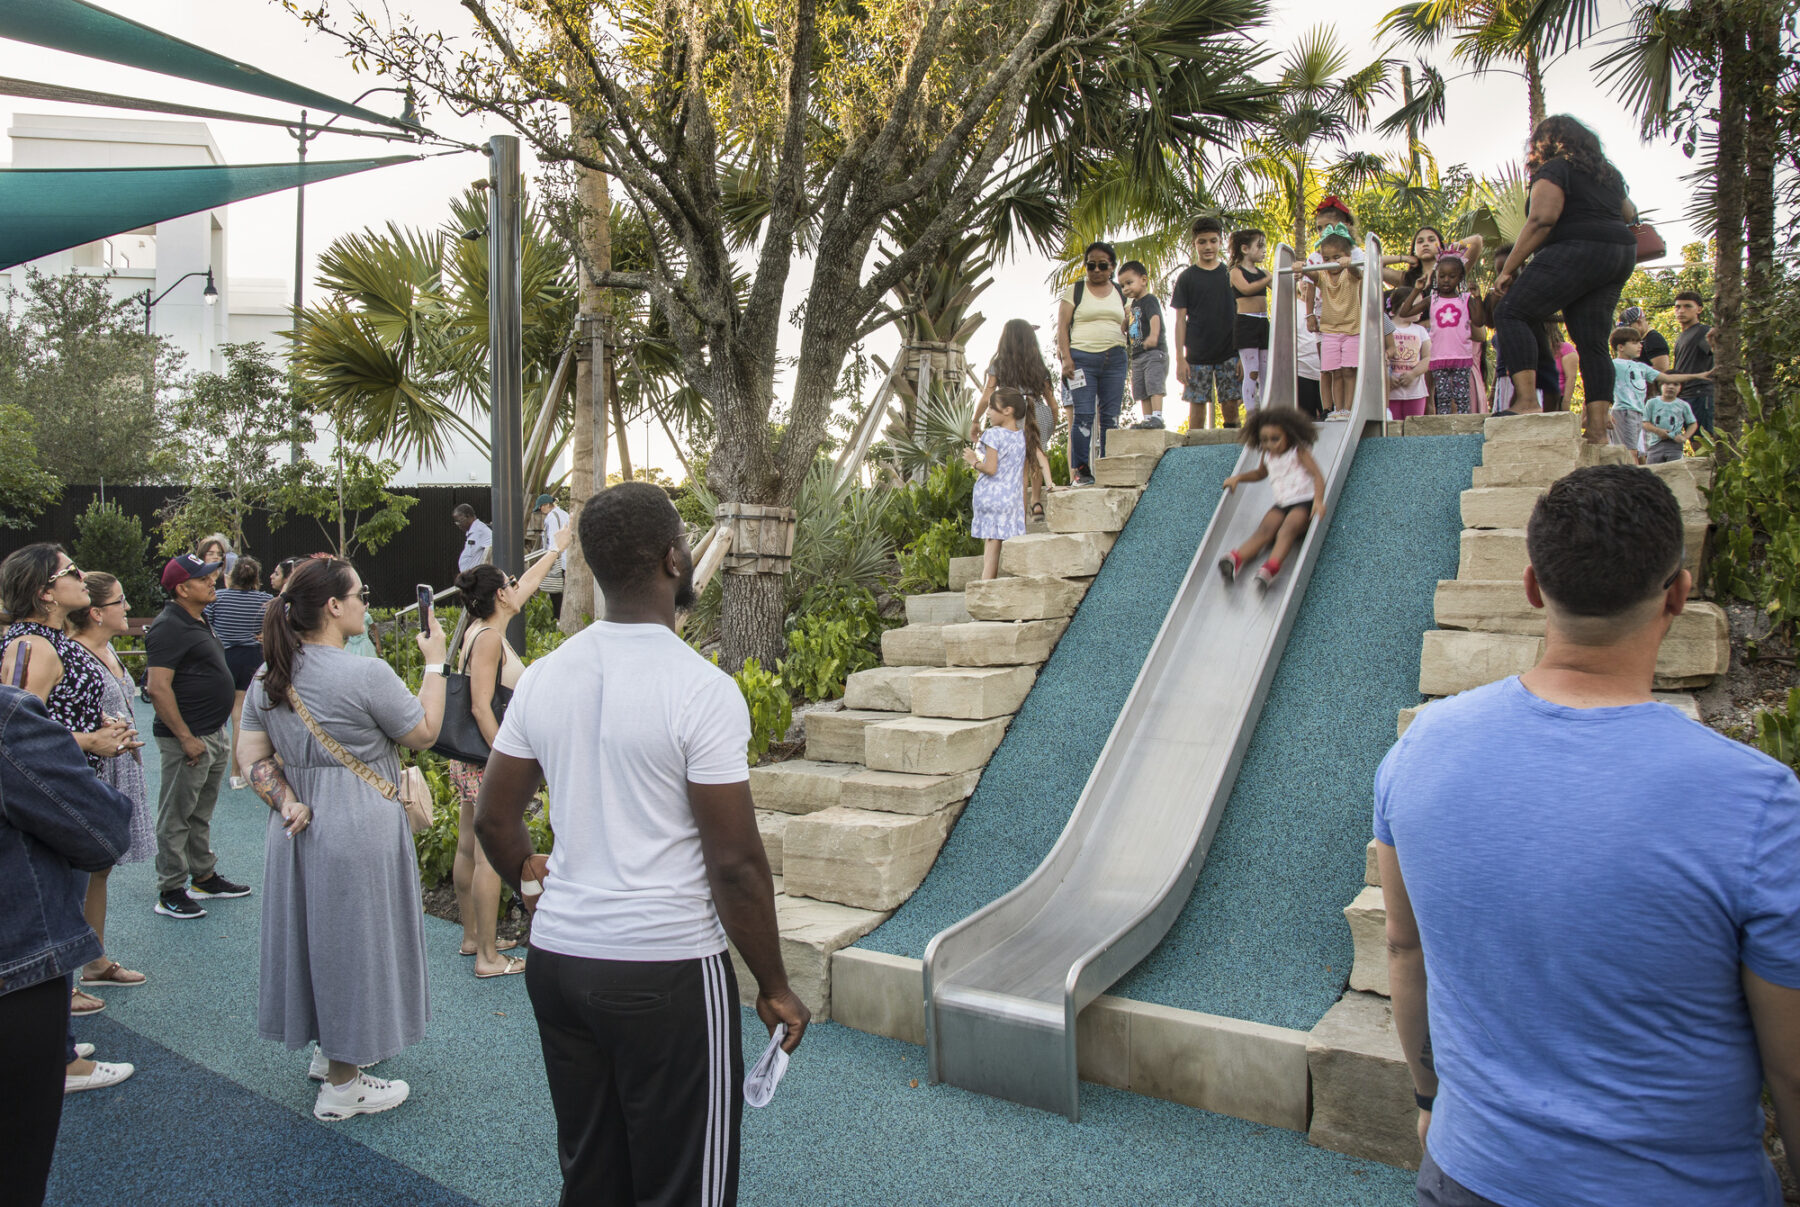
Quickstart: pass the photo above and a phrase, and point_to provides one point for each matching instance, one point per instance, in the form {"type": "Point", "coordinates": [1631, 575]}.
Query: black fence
{"type": "Point", "coordinates": [425, 552]}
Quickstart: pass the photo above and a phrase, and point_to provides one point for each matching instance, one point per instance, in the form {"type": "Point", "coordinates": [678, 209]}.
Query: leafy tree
{"type": "Point", "coordinates": [234, 432]}
{"type": "Point", "coordinates": [108, 539]}
{"type": "Point", "coordinates": [78, 361]}
{"type": "Point", "coordinates": [1483, 34]}
{"type": "Point", "coordinates": [363, 517]}
{"type": "Point", "coordinates": [25, 485]}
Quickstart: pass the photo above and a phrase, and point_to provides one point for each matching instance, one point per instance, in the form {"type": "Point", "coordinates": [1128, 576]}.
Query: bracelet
{"type": "Point", "coordinates": [434, 668]}
{"type": "Point", "coordinates": [1423, 1101]}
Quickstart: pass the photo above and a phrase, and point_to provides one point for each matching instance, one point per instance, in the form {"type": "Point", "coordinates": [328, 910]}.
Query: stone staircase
{"type": "Point", "coordinates": [853, 827]}
{"type": "Point", "coordinates": [1362, 1090]}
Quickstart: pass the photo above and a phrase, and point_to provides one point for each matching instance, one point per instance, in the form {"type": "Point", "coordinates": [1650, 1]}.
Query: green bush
{"type": "Point", "coordinates": [1755, 501]}
{"type": "Point", "coordinates": [947, 493]}
{"type": "Point", "coordinates": [436, 843]}
{"type": "Point", "coordinates": [839, 633]}
{"type": "Point", "coordinates": [108, 540]}
{"type": "Point", "coordinates": [925, 564]}
{"type": "Point", "coordinates": [1778, 731]}
{"type": "Point", "coordinates": [771, 712]}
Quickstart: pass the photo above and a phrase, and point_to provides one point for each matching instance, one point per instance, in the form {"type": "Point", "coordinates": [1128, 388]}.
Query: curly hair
{"type": "Point", "coordinates": [1571, 141]}
{"type": "Point", "coordinates": [1293, 424]}
{"type": "Point", "coordinates": [1240, 243]}
{"type": "Point", "coordinates": [1018, 361]}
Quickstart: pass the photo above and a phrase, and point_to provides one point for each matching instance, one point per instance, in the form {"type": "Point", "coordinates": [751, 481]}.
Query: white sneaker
{"type": "Point", "coordinates": [104, 1074]}
{"type": "Point", "coordinates": [83, 1051]}
{"type": "Point", "coordinates": [319, 1068]}
{"type": "Point", "coordinates": [363, 1095]}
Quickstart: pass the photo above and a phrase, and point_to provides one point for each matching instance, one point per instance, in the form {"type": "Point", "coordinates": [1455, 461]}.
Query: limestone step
{"type": "Point", "coordinates": [916, 644]}
{"type": "Point", "coordinates": [1696, 645]}
{"type": "Point", "coordinates": [807, 785]}
{"type": "Point", "coordinates": [1213, 435]}
{"type": "Point", "coordinates": [888, 688]}
{"type": "Point", "coordinates": [1507, 509]}
{"type": "Point", "coordinates": [1689, 478]}
{"type": "Point", "coordinates": [1515, 452]}
{"type": "Point", "coordinates": [1499, 506]}
{"type": "Point", "coordinates": [1682, 702]}
{"type": "Point", "coordinates": [811, 931]}
{"type": "Point", "coordinates": [1546, 468]}
{"type": "Point", "coordinates": [1126, 442]}
{"type": "Point", "coordinates": [1056, 554]}
{"type": "Point", "coordinates": [1492, 555]}
{"type": "Point", "coordinates": [1697, 649]}
{"type": "Point", "coordinates": [772, 826]}
{"type": "Point", "coordinates": [971, 693]}
{"type": "Point", "coordinates": [863, 858]}
{"type": "Point", "coordinates": [1090, 509]}
{"type": "Point", "coordinates": [941, 607]}
{"type": "Point", "coordinates": [1039, 597]}
{"type": "Point", "coordinates": [1367, 916]}
{"type": "Point", "coordinates": [837, 737]}
{"type": "Point", "coordinates": [904, 792]}
{"type": "Point", "coordinates": [1132, 469]}
{"type": "Point", "coordinates": [932, 745]}
{"type": "Point", "coordinates": [964, 570]}
{"type": "Point", "coordinates": [1442, 425]}
{"type": "Point", "coordinates": [1362, 1091]}
{"type": "Point", "coordinates": [1451, 662]}
{"type": "Point", "coordinates": [1546, 428]}
{"type": "Point", "coordinates": [1000, 642]}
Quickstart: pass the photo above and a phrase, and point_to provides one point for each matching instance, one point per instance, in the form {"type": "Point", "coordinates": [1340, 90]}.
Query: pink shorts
{"type": "Point", "coordinates": [1404, 408]}
{"type": "Point", "coordinates": [1338, 351]}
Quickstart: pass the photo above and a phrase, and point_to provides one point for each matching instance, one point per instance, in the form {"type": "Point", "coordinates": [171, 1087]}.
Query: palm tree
{"type": "Point", "coordinates": [1483, 34]}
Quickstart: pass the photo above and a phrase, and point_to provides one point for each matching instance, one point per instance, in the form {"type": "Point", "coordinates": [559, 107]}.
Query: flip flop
{"type": "Point", "coordinates": [506, 945]}
{"type": "Point", "coordinates": [79, 1007]}
{"type": "Point", "coordinates": [514, 966]}
{"type": "Point", "coordinates": [112, 974]}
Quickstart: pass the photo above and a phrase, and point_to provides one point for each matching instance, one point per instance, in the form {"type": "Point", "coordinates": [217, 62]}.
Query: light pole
{"type": "Point", "coordinates": [506, 370]}
{"type": "Point", "coordinates": [210, 294]}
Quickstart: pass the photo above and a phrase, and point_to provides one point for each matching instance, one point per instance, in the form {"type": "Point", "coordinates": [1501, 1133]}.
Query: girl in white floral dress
{"type": "Point", "coordinates": [1010, 440]}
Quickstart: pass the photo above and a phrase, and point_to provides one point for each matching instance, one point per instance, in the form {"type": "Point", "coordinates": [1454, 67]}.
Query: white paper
{"type": "Point", "coordinates": [759, 1086]}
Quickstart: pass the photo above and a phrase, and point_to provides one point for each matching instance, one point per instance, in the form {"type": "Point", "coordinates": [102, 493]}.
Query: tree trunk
{"type": "Point", "coordinates": [1534, 89]}
{"type": "Point", "coordinates": [580, 602]}
{"type": "Point", "coordinates": [1728, 263]}
{"type": "Point", "coordinates": [1761, 145]}
{"type": "Point", "coordinates": [618, 417]}
{"type": "Point", "coordinates": [751, 618]}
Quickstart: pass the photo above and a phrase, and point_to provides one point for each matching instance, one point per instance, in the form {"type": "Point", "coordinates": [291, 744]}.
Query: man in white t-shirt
{"type": "Point", "coordinates": [657, 861]}
{"type": "Point", "coordinates": [555, 520]}
{"type": "Point", "coordinates": [478, 538]}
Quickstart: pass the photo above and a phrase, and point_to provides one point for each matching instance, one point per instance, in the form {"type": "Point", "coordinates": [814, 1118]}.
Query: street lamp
{"type": "Point", "coordinates": [210, 294]}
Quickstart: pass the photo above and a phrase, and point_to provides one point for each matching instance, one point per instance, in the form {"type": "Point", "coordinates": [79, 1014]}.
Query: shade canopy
{"type": "Point", "coordinates": [84, 29]}
{"type": "Point", "coordinates": [51, 210]}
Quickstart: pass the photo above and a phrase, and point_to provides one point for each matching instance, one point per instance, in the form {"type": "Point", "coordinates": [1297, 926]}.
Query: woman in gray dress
{"type": "Point", "coordinates": [343, 937]}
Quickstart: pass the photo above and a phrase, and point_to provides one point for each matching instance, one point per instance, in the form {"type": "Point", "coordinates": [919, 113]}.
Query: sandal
{"type": "Point", "coordinates": [1037, 511]}
{"type": "Point", "coordinates": [81, 1003]}
{"type": "Point", "coordinates": [514, 966]}
{"type": "Point", "coordinates": [112, 974]}
{"type": "Point", "coordinates": [502, 945]}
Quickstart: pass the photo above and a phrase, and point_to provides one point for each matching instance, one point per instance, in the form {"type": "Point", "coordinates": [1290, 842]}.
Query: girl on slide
{"type": "Point", "coordinates": [1285, 437]}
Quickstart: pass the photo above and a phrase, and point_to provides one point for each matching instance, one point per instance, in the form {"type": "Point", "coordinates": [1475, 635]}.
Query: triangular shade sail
{"type": "Point", "coordinates": [52, 209]}
{"type": "Point", "coordinates": [81, 28]}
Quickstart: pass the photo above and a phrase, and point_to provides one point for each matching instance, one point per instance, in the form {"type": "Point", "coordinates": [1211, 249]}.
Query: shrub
{"type": "Point", "coordinates": [925, 564]}
{"type": "Point", "coordinates": [771, 712]}
{"type": "Point", "coordinates": [435, 845]}
{"type": "Point", "coordinates": [839, 633]}
{"type": "Point", "coordinates": [107, 539]}
{"type": "Point", "coordinates": [1755, 500]}
{"type": "Point", "coordinates": [947, 493]}
{"type": "Point", "coordinates": [1778, 731]}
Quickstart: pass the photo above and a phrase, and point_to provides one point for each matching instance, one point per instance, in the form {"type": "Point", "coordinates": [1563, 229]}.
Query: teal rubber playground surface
{"type": "Point", "coordinates": [215, 1113]}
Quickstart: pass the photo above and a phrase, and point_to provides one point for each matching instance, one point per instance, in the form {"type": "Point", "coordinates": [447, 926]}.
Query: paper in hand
{"type": "Point", "coordinates": [759, 1086]}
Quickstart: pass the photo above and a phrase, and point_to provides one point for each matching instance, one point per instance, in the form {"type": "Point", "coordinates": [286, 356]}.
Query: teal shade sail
{"type": "Point", "coordinates": [53, 209]}
{"type": "Point", "coordinates": [87, 30]}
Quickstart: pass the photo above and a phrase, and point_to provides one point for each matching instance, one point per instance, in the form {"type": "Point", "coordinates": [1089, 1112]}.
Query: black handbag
{"type": "Point", "coordinates": [460, 735]}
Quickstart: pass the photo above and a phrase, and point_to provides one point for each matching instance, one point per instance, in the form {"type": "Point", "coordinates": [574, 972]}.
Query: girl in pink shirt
{"type": "Point", "coordinates": [1451, 315]}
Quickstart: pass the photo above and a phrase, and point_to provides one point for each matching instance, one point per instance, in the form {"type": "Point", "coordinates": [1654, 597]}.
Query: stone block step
{"type": "Point", "coordinates": [1546, 468]}
{"type": "Point", "coordinates": [1367, 916]}
{"type": "Point", "coordinates": [1499, 506]}
{"type": "Point", "coordinates": [1362, 1092]}
{"type": "Point", "coordinates": [1056, 554]}
{"type": "Point", "coordinates": [806, 785]}
{"type": "Point", "coordinates": [964, 570]}
{"type": "Point", "coordinates": [1213, 435]}
{"type": "Point", "coordinates": [863, 858]}
{"type": "Point", "coordinates": [1515, 452]}
{"type": "Point", "coordinates": [932, 745]}
{"type": "Point", "coordinates": [1451, 662]}
{"type": "Point", "coordinates": [941, 607]}
{"type": "Point", "coordinates": [772, 826]}
{"type": "Point", "coordinates": [837, 737]}
{"type": "Point", "coordinates": [887, 688]}
{"type": "Point", "coordinates": [1021, 598]}
{"type": "Point", "coordinates": [905, 792]}
{"type": "Point", "coordinates": [916, 644]}
{"type": "Point", "coordinates": [1507, 509]}
{"type": "Point", "coordinates": [1125, 442]}
{"type": "Point", "coordinates": [1132, 469]}
{"type": "Point", "coordinates": [1492, 555]}
{"type": "Point", "coordinates": [1442, 425]}
{"type": "Point", "coordinates": [811, 932]}
{"type": "Point", "coordinates": [971, 693]}
{"type": "Point", "coordinates": [1689, 478]}
{"type": "Point", "coordinates": [1697, 649]}
{"type": "Point", "coordinates": [1548, 427]}
{"type": "Point", "coordinates": [1371, 867]}
{"type": "Point", "coordinates": [1697, 641]}
{"type": "Point", "coordinates": [1090, 509]}
{"type": "Point", "coordinates": [1001, 643]}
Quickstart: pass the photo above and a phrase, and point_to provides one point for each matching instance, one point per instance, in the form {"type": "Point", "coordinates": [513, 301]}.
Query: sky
{"type": "Point", "coordinates": [1486, 128]}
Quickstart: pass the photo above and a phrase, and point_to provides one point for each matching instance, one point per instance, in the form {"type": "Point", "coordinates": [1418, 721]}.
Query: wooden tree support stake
{"type": "Point", "coordinates": [762, 537]}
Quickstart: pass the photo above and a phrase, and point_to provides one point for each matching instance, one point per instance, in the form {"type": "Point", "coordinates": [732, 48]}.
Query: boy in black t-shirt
{"type": "Point", "coordinates": [1149, 350]}
{"type": "Point", "coordinates": [1206, 328]}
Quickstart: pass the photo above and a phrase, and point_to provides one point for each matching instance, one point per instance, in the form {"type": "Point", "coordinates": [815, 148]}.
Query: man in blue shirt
{"type": "Point", "coordinates": [1593, 913]}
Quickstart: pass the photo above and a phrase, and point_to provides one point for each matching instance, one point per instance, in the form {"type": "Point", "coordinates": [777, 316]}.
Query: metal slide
{"type": "Point", "coordinates": [1003, 986]}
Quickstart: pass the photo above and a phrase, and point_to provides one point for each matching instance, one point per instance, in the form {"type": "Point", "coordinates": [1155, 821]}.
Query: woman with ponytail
{"type": "Point", "coordinates": [343, 937]}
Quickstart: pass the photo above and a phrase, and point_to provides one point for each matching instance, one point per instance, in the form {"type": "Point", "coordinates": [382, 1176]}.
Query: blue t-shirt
{"type": "Point", "coordinates": [1587, 883]}
{"type": "Point", "coordinates": [1631, 384]}
{"type": "Point", "coordinates": [1673, 417]}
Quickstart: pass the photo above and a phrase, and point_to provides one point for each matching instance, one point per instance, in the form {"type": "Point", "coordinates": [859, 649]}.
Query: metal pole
{"type": "Point", "coordinates": [294, 449]}
{"type": "Point", "coordinates": [506, 363]}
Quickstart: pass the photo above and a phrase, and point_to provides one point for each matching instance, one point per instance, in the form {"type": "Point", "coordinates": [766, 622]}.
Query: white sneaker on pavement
{"type": "Point", "coordinates": [83, 1051]}
{"type": "Point", "coordinates": [362, 1095]}
{"type": "Point", "coordinates": [104, 1074]}
{"type": "Point", "coordinates": [319, 1068]}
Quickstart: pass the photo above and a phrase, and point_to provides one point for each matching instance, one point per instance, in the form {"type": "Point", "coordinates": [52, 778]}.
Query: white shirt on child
{"type": "Point", "coordinates": [1288, 478]}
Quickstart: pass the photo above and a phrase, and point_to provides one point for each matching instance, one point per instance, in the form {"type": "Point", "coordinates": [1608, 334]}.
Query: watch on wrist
{"type": "Point", "coordinates": [1423, 1101]}
{"type": "Point", "coordinates": [434, 668]}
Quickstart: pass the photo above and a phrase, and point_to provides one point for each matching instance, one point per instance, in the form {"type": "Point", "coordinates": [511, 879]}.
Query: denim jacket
{"type": "Point", "coordinates": [57, 821]}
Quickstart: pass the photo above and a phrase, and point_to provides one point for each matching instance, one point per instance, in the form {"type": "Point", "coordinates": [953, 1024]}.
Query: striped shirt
{"type": "Point", "coordinates": [236, 616]}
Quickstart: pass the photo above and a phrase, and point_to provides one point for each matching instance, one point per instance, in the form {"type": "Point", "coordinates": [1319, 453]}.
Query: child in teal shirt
{"type": "Point", "coordinates": [1668, 425]}
{"type": "Point", "coordinates": [1632, 380]}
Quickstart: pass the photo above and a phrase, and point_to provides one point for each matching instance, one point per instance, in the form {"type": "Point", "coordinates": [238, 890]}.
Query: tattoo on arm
{"type": "Point", "coordinates": [1425, 1054]}
{"type": "Point", "coordinates": [268, 783]}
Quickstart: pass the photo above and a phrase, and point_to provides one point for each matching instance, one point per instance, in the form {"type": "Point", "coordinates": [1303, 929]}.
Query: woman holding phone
{"type": "Point", "coordinates": [492, 600]}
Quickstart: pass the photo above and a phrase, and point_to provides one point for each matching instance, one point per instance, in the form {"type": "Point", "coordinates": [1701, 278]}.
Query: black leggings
{"type": "Point", "coordinates": [1583, 281]}
{"type": "Point", "coordinates": [33, 1021]}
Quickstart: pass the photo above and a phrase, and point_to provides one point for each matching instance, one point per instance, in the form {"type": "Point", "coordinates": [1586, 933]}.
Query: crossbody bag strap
{"type": "Point", "coordinates": [362, 770]}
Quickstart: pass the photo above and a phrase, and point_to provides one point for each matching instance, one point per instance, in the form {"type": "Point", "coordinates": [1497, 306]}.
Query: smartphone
{"type": "Point", "coordinates": [425, 593]}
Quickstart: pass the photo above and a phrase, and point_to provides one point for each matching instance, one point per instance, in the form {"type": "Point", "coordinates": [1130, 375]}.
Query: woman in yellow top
{"type": "Point", "coordinates": [1090, 339]}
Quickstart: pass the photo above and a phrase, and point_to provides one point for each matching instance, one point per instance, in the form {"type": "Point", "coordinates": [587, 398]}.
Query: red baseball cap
{"type": "Point", "coordinates": [185, 566]}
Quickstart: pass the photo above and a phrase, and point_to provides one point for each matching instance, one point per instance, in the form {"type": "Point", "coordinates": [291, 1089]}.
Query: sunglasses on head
{"type": "Point", "coordinates": [1098, 266]}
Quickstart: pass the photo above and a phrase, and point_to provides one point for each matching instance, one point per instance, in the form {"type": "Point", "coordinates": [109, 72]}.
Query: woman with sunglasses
{"type": "Point", "coordinates": [492, 599]}
{"type": "Point", "coordinates": [94, 628]}
{"type": "Point", "coordinates": [1090, 340]}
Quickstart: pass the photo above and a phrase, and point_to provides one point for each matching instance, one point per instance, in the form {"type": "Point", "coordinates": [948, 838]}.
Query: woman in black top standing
{"type": "Point", "coordinates": [1581, 252]}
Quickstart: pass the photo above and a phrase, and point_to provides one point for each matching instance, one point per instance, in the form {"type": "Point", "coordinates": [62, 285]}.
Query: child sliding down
{"type": "Point", "coordinates": [1285, 437]}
